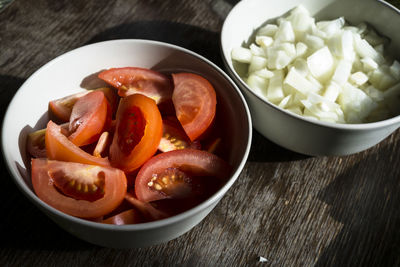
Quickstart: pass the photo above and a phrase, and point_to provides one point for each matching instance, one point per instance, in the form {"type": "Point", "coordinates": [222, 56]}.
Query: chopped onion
{"type": "Point", "coordinates": [326, 70]}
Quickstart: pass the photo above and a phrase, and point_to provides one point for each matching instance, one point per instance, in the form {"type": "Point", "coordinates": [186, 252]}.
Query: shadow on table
{"type": "Point", "coordinates": [365, 199]}
{"type": "Point", "coordinates": [201, 41]}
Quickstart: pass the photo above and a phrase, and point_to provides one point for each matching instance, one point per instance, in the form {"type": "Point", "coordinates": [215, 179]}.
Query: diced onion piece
{"type": "Point", "coordinates": [355, 103]}
{"type": "Point", "coordinates": [342, 72]}
{"type": "Point", "coordinates": [320, 63]}
{"type": "Point", "coordinates": [264, 41]}
{"type": "Point", "coordinates": [275, 92]}
{"type": "Point", "coordinates": [301, 49]}
{"type": "Point", "coordinates": [381, 79]}
{"type": "Point", "coordinates": [395, 69]}
{"type": "Point", "coordinates": [369, 64]}
{"type": "Point", "coordinates": [285, 32]}
{"type": "Point", "coordinates": [268, 30]}
{"type": "Point", "coordinates": [257, 51]}
{"type": "Point", "coordinates": [241, 54]}
{"type": "Point", "coordinates": [301, 19]}
{"type": "Point", "coordinates": [313, 42]}
{"type": "Point", "coordinates": [299, 83]}
{"type": "Point", "coordinates": [301, 66]}
{"type": "Point", "coordinates": [277, 58]}
{"type": "Point", "coordinates": [332, 91]}
{"type": "Point", "coordinates": [257, 83]}
{"type": "Point", "coordinates": [257, 63]}
{"type": "Point", "coordinates": [375, 94]}
{"type": "Point", "coordinates": [374, 39]}
{"type": "Point", "coordinates": [364, 49]}
{"type": "Point", "coordinates": [284, 101]}
{"type": "Point", "coordinates": [331, 27]}
{"type": "Point", "coordinates": [358, 78]}
{"type": "Point", "coordinates": [264, 73]}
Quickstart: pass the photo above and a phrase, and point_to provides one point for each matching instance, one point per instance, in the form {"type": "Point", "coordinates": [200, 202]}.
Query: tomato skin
{"type": "Point", "coordinates": [130, 216]}
{"type": "Point", "coordinates": [60, 109]}
{"type": "Point", "coordinates": [144, 136]}
{"type": "Point", "coordinates": [132, 80]}
{"type": "Point", "coordinates": [146, 209]}
{"type": "Point", "coordinates": [115, 189]}
{"type": "Point", "coordinates": [58, 147]}
{"type": "Point", "coordinates": [190, 161]}
{"type": "Point", "coordinates": [89, 118]}
{"type": "Point", "coordinates": [195, 103]}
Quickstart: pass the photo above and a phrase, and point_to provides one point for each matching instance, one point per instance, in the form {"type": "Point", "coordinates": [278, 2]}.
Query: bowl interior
{"type": "Point", "coordinates": [65, 74]}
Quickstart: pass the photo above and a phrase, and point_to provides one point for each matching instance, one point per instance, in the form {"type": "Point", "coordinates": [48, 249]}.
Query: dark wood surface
{"type": "Point", "coordinates": [291, 209]}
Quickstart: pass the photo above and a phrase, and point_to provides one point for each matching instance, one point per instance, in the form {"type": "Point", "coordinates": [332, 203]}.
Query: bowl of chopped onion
{"type": "Point", "coordinates": [320, 77]}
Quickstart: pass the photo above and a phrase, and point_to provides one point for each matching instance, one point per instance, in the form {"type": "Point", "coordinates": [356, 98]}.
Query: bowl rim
{"type": "Point", "coordinates": [243, 85]}
{"type": "Point", "coordinates": [141, 226]}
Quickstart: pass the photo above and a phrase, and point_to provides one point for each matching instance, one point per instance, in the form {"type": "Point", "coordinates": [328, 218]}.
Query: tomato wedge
{"type": "Point", "coordinates": [174, 137]}
{"type": "Point", "coordinates": [61, 108]}
{"type": "Point", "coordinates": [81, 190]}
{"type": "Point", "coordinates": [131, 80]}
{"type": "Point", "coordinates": [88, 118]}
{"type": "Point", "coordinates": [148, 211]}
{"type": "Point", "coordinates": [138, 132]}
{"type": "Point", "coordinates": [130, 216]}
{"type": "Point", "coordinates": [177, 174]}
{"type": "Point", "coordinates": [195, 102]}
{"type": "Point", "coordinates": [59, 147]}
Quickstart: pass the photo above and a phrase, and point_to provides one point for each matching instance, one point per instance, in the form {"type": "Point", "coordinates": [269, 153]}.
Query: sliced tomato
{"type": "Point", "coordinates": [138, 132]}
{"type": "Point", "coordinates": [179, 174]}
{"type": "Point", "coordinates": [59, 147]}
{"type": "Point", "coordinates": [130, 216]}
{"type": "Point", "coordinates": [35, 142]}
{"type": "Point", "coordinates": [88, 118]}
{"type": "Point", "coordinates": [148, 211]}
{"type": "Point", "coordinates": [195, 102]}
{"type": "Point", "coordinates": [131, 80]}
{"type": "Point", "coordinates": [80, 190]}
{"type": "Point", "coordinates": [174, 137]}
{"type": "Point", "coordinates": [60, 109]}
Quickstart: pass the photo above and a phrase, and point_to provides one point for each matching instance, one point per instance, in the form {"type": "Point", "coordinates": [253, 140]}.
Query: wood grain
{"type": "Point", "coordinates": [291, 209]}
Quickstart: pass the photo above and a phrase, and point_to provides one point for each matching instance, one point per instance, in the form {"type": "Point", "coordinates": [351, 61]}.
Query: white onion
{"type": "Point", "coordinates": [324, 70]}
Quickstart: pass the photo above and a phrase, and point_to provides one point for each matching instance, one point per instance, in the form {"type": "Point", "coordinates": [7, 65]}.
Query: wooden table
{"type": "Point", "coordinates": [291, 209]}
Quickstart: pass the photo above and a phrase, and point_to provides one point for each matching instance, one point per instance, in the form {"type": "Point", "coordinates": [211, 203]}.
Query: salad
{"type": "Point", "coordinates": [145, 148]}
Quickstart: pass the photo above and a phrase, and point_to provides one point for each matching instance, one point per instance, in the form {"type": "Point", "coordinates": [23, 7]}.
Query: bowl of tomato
{"type": "Point", "coordinates": [129, 143]}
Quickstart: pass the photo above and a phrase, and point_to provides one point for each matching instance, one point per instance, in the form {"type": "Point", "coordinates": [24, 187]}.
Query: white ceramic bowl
{"type": "Point", "coordinates": [290, 130]}
{"type": "Point", "coordinates": [63, 75]}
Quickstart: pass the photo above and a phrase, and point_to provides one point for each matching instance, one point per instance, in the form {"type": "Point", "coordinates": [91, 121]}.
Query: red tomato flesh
{"type": "Point", "coordinates": [132, 80]}
{"type": "Point", "coordinates": [61, 108]}
{"type": "Point", "coordinates": [130, 216]}
{"type": "Point", "coordinates": [195, 102]}
{"type": "Point", "coordinates": [88, 118]}
{"type": "Point", "coordinates": [80, 190]}
{"type": "Point", "coordinates": [138, 132]}
{"type": "Point", "coordinates": [59, 147]}
{"type": "Point", "coordinates": [178, 174]}
{"type": "Point", "coordinates": [148, 211]}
